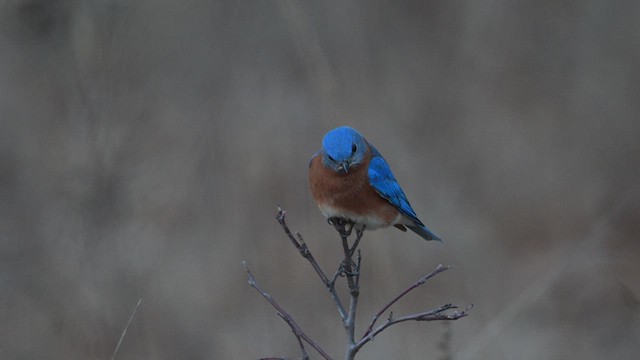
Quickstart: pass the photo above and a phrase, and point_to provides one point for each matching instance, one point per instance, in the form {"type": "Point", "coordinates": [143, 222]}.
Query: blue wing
{"type": "Point", "coordinates": [383, 181]}
{"type": "Point", "coordinates": [386, 185]}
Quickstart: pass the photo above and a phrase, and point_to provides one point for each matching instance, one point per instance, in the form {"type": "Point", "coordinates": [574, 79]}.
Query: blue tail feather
{"type": "Point", "coordinates": [424, 232]}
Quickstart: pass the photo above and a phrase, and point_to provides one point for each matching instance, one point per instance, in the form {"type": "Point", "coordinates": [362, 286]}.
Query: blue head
{"type": "Point", "coordinates": [343, 148]}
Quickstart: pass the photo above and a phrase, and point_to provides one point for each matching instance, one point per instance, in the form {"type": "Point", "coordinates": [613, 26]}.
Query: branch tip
{"type": "Point", "coordinates": [297, 331]}
{"type": "Point", "coordinates": [300, 237]}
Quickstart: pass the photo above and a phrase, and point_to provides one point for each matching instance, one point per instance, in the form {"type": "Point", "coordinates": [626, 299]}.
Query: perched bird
{"type": "Point", "coordinates": [350, 179]}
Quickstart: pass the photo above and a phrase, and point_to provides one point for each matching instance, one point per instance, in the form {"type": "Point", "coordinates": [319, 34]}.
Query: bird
{"type": "Point", "coordinates": [350, 180]}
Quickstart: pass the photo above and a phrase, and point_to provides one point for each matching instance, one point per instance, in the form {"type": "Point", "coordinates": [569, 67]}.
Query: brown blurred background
{"type": "Point", "coordinates": [145, 145]}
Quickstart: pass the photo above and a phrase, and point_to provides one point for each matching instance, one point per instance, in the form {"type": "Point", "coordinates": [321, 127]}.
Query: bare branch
{"type": "Point", "coordinates": [348, 266]}
{"type": "Point", "coordinates": [306, 253]}
{"type": "Point", "coordinates": [359, 234]}
{"type": "Point", "coordinates": [431, 315]}
{"type": "Point", "coordinates": [286, 317]}
{"type": "Point", "coordinates": [440, 268]}
{"type": "Point", "coordinates": [358, 262]}
{"type": "Point", "coordinates": [305, 356]}
{"type": "Point", "coordinates": [351, 271]}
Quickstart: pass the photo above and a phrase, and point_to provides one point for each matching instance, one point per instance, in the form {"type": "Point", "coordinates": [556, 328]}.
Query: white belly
{"type": "Point", "coordinates": [371, 222]}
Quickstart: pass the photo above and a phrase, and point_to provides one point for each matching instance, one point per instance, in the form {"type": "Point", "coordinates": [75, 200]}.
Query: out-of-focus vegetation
{"type": "Point", "coordinates": [144, 146]}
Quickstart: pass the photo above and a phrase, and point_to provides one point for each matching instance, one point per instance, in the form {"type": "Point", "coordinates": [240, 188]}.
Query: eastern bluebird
{"type": "Point", "coordinates": [350, 179]}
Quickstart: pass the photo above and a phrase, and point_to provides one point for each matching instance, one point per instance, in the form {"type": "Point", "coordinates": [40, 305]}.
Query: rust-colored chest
{"type": "Point", "coordinates": [350, 193]}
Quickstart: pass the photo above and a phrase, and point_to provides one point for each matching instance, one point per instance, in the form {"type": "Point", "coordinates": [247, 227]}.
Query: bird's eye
{"type": "Point", "coordinates": [354, 148]}
{"type": "Point", "coordinates": [330, 158]}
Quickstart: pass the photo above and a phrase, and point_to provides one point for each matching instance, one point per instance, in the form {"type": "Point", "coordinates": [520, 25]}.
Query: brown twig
{"type": "Point", "coordinates": [431, 315]}
{"type": "Point", "coordinates": [359, 234]}
{"type": "Point", "coordinates": [418, 283]}
{"type": "Point", "coordinates": [297, 331]}
{"type": "Point", "coordinates": [305, 356]}
{"type": "Point", "coordinates": [352, 273]}
{"type": "Point", "coordinates": [306, 253]}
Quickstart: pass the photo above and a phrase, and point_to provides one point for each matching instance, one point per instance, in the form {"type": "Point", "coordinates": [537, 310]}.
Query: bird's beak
{"type": "Point", "coordinates": [343, 167]}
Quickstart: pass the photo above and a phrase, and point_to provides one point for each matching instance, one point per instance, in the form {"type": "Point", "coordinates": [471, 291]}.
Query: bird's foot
{"type": "Point", "coordinates": [342, 225]}
{"type": "Point", "coordinates": [348, 270]}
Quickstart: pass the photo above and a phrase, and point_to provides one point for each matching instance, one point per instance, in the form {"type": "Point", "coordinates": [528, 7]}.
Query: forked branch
{"type": "Point", "coordinates": [418, 283]}
{"type": "Point", "coordinates": [349, 268]}
{"type": "Point", "coordinates": [297, 331]}
{"type": "Point", "coordinates": [431, 315]}
{"type": "Point", "coordinates": [306, 253]}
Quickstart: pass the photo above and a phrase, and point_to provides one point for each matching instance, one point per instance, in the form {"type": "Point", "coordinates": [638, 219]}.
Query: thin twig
{"type": "Point", "coordinates": [353, 279]}
{"type": "Point", "coordinates": [306, 253]}
{"type": "Point", "coordinates": [348, 262]}
{"type": "Point", "coordinates": [440, 268]}
{"type": "Point", "coordinates": [124, 331]}
{"type": "Point", "coordinates": [359, 234]}
{"type": "Point", "coordinates": [358, 262]}
{"type": "Point", "coordinates": [431, 315]}
{"type": "Point", "coordinates": [305, 356]}
{"type": "Point", "coordinates": [285, 316]}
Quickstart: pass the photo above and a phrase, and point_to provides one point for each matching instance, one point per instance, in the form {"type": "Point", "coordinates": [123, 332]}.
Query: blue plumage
{"type": "Point", "coordinates": [382, 179]}
{"type": "Point", "coordinates": [344, 150]}
{"type": "Point", "coordinates": [386, 185]}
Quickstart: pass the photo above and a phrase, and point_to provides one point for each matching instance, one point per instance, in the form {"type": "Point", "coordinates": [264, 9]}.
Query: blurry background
{"type": "Point", "coordinates": [145, 145]}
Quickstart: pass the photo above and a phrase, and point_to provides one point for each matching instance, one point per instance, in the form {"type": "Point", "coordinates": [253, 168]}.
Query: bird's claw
{"type": "Point", "coordinates": [342, 225]}
{"type": "Point", "coordinates": [342, 272]}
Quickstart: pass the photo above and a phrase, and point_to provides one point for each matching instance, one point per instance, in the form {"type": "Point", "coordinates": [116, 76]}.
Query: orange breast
{"type": "Point", "coordinates": [349, 193]}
